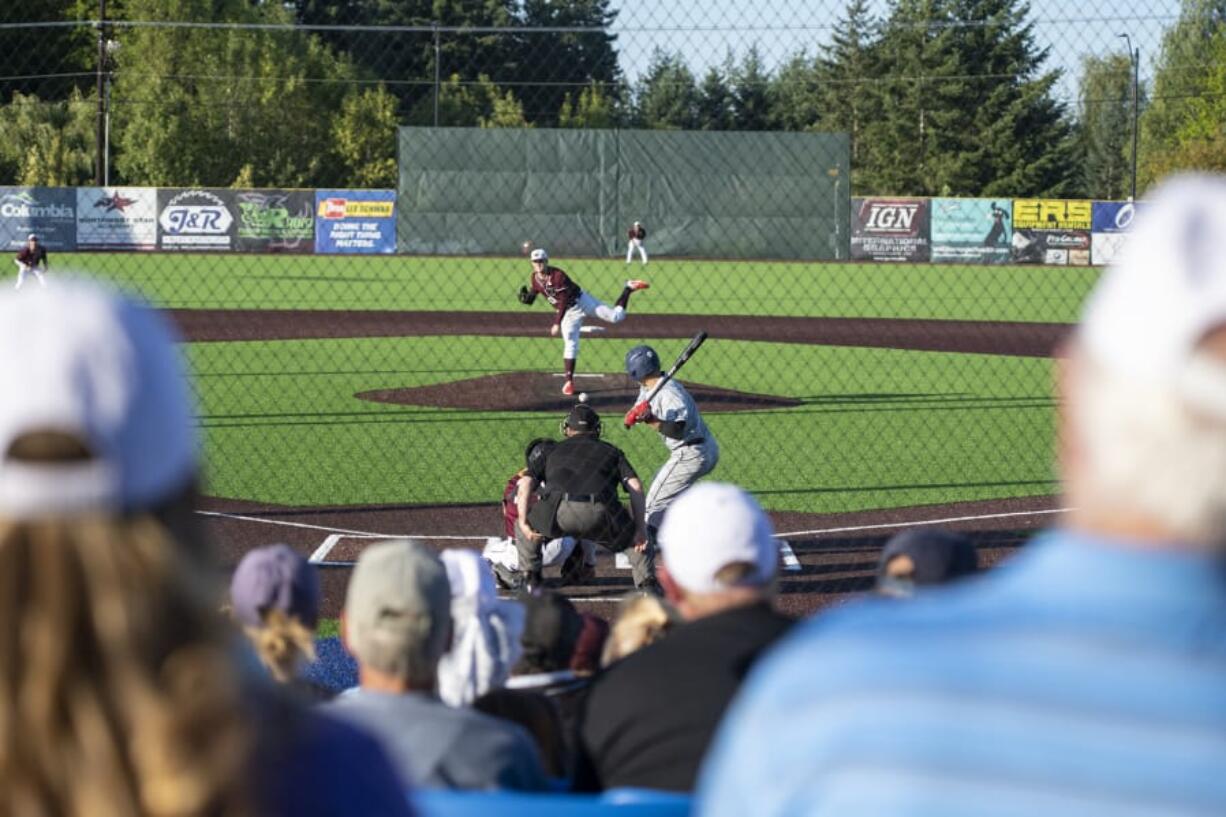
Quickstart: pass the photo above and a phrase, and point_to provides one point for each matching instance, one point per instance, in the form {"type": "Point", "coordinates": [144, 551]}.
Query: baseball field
{"type": "Point", "coordinates": [341, 387]}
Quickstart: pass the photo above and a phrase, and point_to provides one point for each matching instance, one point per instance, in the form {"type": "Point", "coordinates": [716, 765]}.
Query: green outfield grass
{"type": "Point", "coordinates": [878, 428]}
{"type": "Point", "coordinates": [853, 290]}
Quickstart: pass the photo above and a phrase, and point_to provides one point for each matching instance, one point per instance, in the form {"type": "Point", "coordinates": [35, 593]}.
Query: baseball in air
{"type": "Point", "coordinates": [527, 247]}
{"type": "Point", "coordinates": [582, 397]}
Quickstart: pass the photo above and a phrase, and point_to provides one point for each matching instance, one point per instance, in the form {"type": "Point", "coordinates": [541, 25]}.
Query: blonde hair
{"type": "Point", "coordinates": [283, 644]}
{"type": "Point", "coordinates": [641, 619]}
{"type": "Point", "coordinates": [118, 693]}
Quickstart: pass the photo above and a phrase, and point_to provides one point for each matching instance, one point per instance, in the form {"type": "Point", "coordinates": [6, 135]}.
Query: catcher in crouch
{"type": "Point", "coordinates": [572, 305]}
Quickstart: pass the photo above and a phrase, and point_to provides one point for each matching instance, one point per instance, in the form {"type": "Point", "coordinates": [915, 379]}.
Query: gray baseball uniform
{"type": "Point", "coordinates": [691, 456]}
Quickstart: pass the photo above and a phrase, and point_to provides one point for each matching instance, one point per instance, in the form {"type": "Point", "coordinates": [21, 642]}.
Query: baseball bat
{"type": "Point", "coordinates": [685, 355]}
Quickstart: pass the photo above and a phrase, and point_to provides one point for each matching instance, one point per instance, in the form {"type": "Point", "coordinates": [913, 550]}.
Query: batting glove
{"type": "Point", "coordinates": [640, 413]}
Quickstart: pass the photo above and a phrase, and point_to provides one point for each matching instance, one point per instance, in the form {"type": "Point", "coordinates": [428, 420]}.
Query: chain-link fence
{"type": "Point", "coordinates": [884, 214]}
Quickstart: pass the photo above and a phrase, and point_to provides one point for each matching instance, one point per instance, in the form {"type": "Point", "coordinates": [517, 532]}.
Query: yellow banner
{"type": "Point", "coordinates": [1052, 214]}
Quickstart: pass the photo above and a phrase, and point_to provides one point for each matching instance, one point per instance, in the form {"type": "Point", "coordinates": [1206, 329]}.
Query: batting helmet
{"type": "Point", "coordinates": [641, 362]}
{"type": "Point", "coordinates": [539, 254]}
{"type": "Point", "coordinates": [536, 454]}
{"type": "Point", "coordinates": [583, 419]}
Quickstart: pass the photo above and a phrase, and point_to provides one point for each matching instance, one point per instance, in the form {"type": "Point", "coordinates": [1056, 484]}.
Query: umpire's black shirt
{"type": "Point", "coordinates": [585, 465]}
{"type": "Point", "coordinates": [648, 719]}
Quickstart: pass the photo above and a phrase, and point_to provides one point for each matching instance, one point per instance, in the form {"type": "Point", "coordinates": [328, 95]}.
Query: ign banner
{"type": "Point", "coordinates": [889, 229]}
{"type": "Point", "coordinates": [117, 218]}
{"type": "Point", "coordinates": [196, 220]}
{"type": "Point", "coordinates": [971, 231]}
{"type": "Point", "coordinates": [1112, 221]}
{"type": "Point", "coordinates": [48, 212]}
{"type": "Point", "coordinates": [1052, 231]}
{"type": "Point", "coordinates": [355, 221]}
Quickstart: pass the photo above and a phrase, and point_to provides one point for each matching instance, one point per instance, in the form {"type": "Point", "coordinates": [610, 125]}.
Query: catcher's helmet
{"type": "Point", "coordinates": [539, 254]}
{"type": "Point", "coordinates": [536, 454]}
{"type": "Point", "coordinates": [642, 361]}
{"type": "Point", "coordinates": [583, 419]}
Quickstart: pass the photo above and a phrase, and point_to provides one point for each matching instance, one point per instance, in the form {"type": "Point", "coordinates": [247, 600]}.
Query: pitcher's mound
{"type": "Point", "coordinates": [537, 391]}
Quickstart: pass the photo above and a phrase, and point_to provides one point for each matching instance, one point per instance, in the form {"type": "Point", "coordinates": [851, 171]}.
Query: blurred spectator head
{"type": "Point", "coordinates": [718, 548]}
{"type": "Point", "coordinates": [487, 629]}
{"type": "Point", "coordinates": [397, 616]}
{"type": "Point", "coordinates": [592, 638]}
{"type": "Point", "coordinates": [924, 556]}
{"type": "Point", "coordinates": [642, 619]}
{"type": "Point", "coordinates": [1143, 442]}
{"type": "Point", "coordinates": [552, 627]}
{"type": "Point", "coordinates": [274, 595]}
{"type": "Point", "coordinates": [119, 673]}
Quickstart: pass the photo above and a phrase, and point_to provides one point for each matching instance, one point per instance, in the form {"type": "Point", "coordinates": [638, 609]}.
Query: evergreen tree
{"type": "Point", "coordinates": [47, 62]}
{"type": "Point", "coordinates": [1104, 127]}
{"type": "Point", "coordinates": [847, 95]}
{"type": "Point", "coordinates": [750, 98]}
{"type": "Point", "coordinates": [593, 109]}
{"type": "Point", "coordinates": [667, 96]}
{"type": "Point", "coordinates": [714, 102]}
{"type": "Point", "coordinates": [795, 98]}
{"type": "Point", "coordinates": [548, 65]}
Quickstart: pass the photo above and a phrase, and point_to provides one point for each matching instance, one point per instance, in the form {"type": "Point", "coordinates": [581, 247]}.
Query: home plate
{"type": "Point", "coordinates": [590, 330]}
{"type": "Point", "coordinates": [621, 561]}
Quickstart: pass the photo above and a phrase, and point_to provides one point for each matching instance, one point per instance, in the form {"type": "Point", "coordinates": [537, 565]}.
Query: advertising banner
{"type": "Point", "coordinates": [196, 220]}
{"type": "Point", "coordinates": [48, 212]}
{"type": "Point", "coordinates": [1112, 220]}
{"type": "Point", "coordinates": [971, 231]}
{"type": "Point", "coordinates": [117, 218]}
{"type": "Point", "coordinates": [275, 220]}
{"type": "Point", "coordinates": [355, 221]}
{"type": "Point", "coordinates": [1052, 214]}
{"type": "Point", "coordinates": [1054, 247]}
{"type": "Point", "coordinates": [889, 229]}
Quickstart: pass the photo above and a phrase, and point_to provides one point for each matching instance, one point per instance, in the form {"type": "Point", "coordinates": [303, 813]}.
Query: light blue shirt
{"type": "Point", "coordinates": [1083, 677]}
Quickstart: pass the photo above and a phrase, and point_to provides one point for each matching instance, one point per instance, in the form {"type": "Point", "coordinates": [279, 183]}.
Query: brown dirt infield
{"type": "Point", "coordinates": [835, 554]}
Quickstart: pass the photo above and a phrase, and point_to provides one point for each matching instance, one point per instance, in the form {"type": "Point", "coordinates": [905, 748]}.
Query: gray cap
{"type": "Point", "coordinates": [398, 608]}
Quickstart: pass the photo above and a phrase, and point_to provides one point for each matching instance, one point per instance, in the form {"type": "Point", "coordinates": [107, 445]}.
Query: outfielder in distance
{"type": "Point", "coordinates": [637, 235]}
{"type": "Point", "coordinates": [572, 305]}
{"type": "Point", "coordinates": [28, 258]}
{"type": "Point", "coordinates": [693, 451]}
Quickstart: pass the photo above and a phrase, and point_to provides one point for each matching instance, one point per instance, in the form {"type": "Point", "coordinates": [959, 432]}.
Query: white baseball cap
{"type": "Point", "coordinates": [1167, 290]}
{"type": "Point", "coordinates": [31, 237]}
{"type": "Point", "coordinates": [539, 255]}
{"type": "Point", "coordinates": [80, 359]}
{"type": "Point", "coordinates": [710, 526]}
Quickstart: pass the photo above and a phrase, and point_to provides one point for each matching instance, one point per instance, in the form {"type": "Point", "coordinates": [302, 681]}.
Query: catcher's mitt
{"type": "Point", "coordinates": [526, 296]}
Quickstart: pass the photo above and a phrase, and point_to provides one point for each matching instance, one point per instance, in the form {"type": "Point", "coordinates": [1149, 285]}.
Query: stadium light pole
{"type": "Point", "coordinates": [1134, 56]}
{"type": "Point", "coordinates": [100, 146]}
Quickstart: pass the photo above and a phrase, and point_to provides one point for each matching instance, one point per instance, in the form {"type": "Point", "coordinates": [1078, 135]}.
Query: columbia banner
{"type": "Point", "coordinates": [971, 231]}
{"type": "Point", "coordinates": [355, 221]}
{"type": "Point", "coordinates": [48, 212]}
{"type": "Point", "coordinates": [889, 229]}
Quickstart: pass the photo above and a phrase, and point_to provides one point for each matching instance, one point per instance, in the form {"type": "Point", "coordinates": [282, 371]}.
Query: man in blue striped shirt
{"type": "Point", "coordinates": [1086, 676]}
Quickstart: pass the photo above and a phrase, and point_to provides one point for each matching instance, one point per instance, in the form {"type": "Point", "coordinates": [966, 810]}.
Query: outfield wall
{"type": "Point", "coordinates": [1059, 232]}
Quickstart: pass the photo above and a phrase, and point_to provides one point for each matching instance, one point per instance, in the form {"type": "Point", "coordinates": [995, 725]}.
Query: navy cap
{"type": "Point", "coordinates": [275, 578]}
{"type": "Point", "coordinates": [937, 556]}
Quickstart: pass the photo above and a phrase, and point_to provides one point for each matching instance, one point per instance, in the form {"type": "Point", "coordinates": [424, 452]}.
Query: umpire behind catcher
{"type": "Point", "coordinates": [582, 475]}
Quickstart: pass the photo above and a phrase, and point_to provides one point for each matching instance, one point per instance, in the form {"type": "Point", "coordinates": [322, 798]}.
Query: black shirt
{"type": "Point", "coordinates": [648, 719]}
{"type": "Point", "coordinates": [585, 465]}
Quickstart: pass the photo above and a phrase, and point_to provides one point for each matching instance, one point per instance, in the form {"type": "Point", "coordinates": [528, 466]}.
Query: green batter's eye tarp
{"type": "Point", "coordinates": [474, 191]}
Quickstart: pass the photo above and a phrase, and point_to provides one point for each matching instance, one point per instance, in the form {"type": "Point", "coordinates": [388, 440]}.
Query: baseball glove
{"type": "Point", "coordinates": [526, 296]}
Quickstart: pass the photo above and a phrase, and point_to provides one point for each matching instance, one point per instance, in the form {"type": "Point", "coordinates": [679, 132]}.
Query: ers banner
{"type": "Point", "coordinates": [890, 229]}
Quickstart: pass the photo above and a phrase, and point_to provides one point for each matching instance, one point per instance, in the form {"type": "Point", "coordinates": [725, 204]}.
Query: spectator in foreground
{"type": "Point", "coordinates": [397, 624]}
{"type": "Point", "coordinates": [589, 646]}
{"type": "Point", "coordinates": [924, 557]}
{"type": "Point", "coordinates": [1087, 675]}
{"type": "Point", "coordinates": [274, 596]}
{"type": "Point", "coordinates": [648, 719]}
{"type": "Point", "coordinates": [122, 693]}
{"type": "Point", "coordinates": [642, 619]}
{"type": "Point", "coordinates": [486, 631]}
